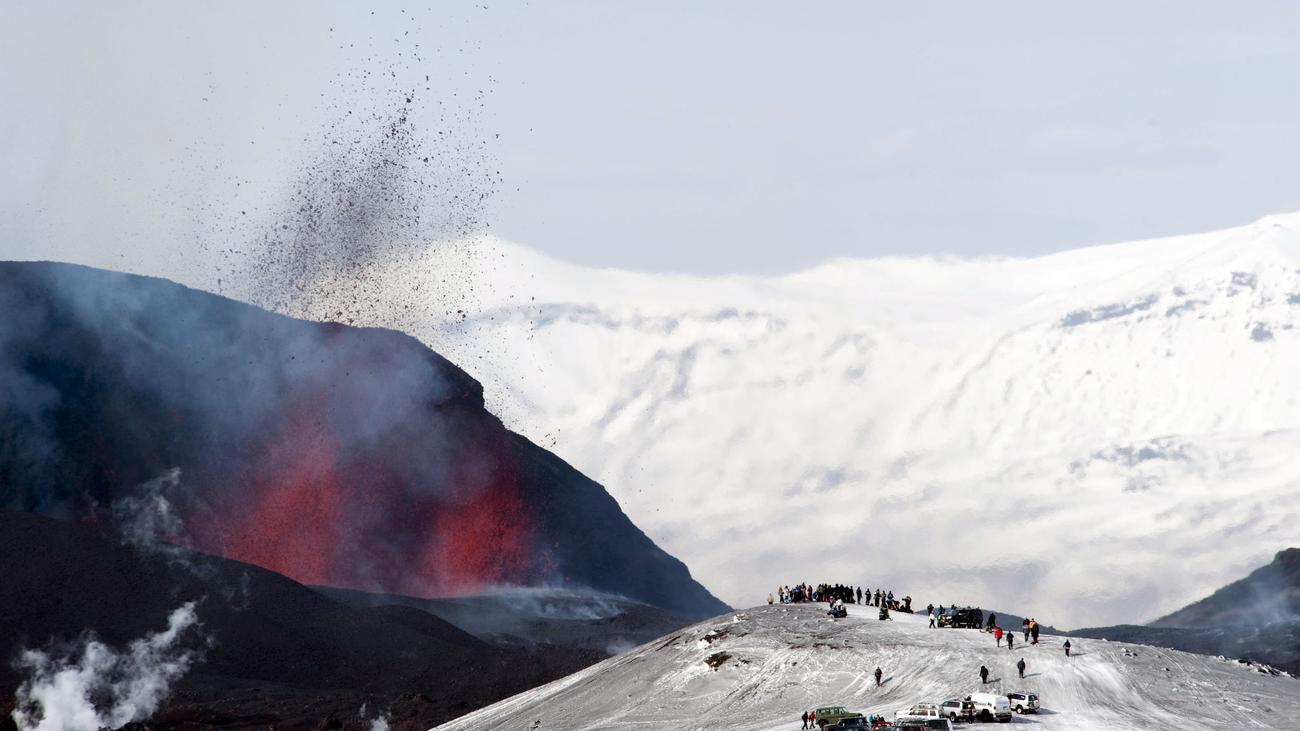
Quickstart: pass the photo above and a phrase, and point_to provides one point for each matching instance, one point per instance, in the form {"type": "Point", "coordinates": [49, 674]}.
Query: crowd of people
{"type": "Point", "coordinates": [840, 594]}
{"type": "Point", "coordinates": [831, 593]}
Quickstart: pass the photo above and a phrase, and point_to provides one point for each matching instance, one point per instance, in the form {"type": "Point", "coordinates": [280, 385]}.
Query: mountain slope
{"type": "Point", "coordinates": [334, 455]}
{"type": "Point", "coordinates": [1269, 594]}
{"type": "Point", "coordinates": [760, 668]}
{"type": "Point", "coordinates": [1095, 436]}
{"type": "Point", "coordinates": [1257, 617]}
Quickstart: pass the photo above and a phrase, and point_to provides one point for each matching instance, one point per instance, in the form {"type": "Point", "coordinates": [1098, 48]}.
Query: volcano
{"type": "Point", "coordinates": [337, 456]}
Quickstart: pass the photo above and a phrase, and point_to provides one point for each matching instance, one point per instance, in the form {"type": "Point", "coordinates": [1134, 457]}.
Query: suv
{"type": "Point", "coordinates": [958, 710]}
{"type": "Point", "coordinates": [828, 715]}
{"type": "Point", "coordinates": [1023, 701]}
{"type": "Point", "coordinates": [968, 618]}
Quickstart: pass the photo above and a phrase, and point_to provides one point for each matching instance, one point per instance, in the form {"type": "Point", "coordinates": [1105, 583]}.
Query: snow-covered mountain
{"type": "Point", "coordinates": [761, 668]}
{"type": "Point", "coordinates": [1091, 437]}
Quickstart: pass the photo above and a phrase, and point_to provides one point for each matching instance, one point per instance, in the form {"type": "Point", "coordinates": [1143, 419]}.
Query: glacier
{"type": "Point", "coordinates": [1090, 437]}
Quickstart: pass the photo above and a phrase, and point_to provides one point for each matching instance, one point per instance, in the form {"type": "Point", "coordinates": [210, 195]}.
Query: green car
{"type": "Point", "coordinates": [833, 714]}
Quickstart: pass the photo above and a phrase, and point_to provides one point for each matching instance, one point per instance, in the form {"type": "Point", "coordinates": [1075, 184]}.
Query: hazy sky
{"type": "Point", "coordinates": [704, 137]}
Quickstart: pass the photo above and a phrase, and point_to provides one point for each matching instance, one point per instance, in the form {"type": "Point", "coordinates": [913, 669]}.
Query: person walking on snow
{"type": "Point", "coordinates": [804, 718]}
{"type": "Point", "coordinates": [931, 618]}
{"type": "Point", "coordinates": [1011, 639]}
{"type": "Point", "coordinates": [1024, 624]}
{"type": "Point", "coordinates": [997, 635]}
{"type": "Point", "coordinates": [879, 673]}
{"type": "Point", "coordinates": [984, 675]}
{"type": "Point", "coordinates": [1021, 667]}
{"type": "Point", "coordinates": [1067, 648]}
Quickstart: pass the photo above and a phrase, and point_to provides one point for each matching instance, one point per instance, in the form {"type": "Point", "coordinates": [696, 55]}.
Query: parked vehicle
{"type": "Point", "coordinates": [966, 618]}
{"type": "Point", "coordinates": [853, 723]}
{"type": "Point", "coordinates": [831, 715]}
{"type": "Point", "coordinates": [990, 706]}
{"type": "Point", "coordinates": [1023, 701]}
{"type": "Point", "coordinates": [938, 724]}
{"type": "Point", "coordinates": [958, 710]}
{"type": "Point", "coordinates": [919, 712]}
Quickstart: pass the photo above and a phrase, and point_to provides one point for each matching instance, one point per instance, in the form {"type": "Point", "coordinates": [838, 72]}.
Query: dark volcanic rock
{"type": "Point", "coordinates": [532, 617]}
{"type": "Point", "coordinates": [1269, 594]}
{"type": "Point", "coordinates": [333, 455]}
{"type": "Point", "coordinates": [275, 653]}
{"type": "Point", "coordinates": [1256, 618]}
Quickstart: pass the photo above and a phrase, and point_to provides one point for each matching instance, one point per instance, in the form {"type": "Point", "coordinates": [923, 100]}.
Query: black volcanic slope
{"type": "Point", "coordinates": [1269, 594]}
{"type": "Point", "coordinates": [1256, 618]}
{"type": "Point", "coordinates": [279, 654]}
{"type": "Point", "coordinates": [333, 455]}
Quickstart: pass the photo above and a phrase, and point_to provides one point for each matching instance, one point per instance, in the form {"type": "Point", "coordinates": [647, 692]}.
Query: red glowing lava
{"type": "Point", "coordinates": [321, 513]}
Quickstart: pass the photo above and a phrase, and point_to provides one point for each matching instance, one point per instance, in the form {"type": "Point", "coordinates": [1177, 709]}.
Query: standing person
{"type": "Point", "coordinates": [1011, 639]}
{"type": "Point", "coordinates": [859, 595]}
{"type": "Point", "coordinates": [1067, 648]}
{"type": "Point", "coordinates": [1021, 667]}
{"type": "Point", "coordinates": [804, 718]}
{"type": "Point", "coordinates": [1024, 624]}
{"type": "Point", "coordinates": [879, 673]}
{"type": "Point", "coordinates": [997, 635]}
{"type": "Point", "coordinates": [932, 618]}
{"type": "Point", "coordinates": [1033, 629]}
{"type": "Point", "coordinates": [984, 675]}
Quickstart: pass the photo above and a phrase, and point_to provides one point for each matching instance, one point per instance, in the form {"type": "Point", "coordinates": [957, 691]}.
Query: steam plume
{"type": "Point", "coordinates": [96, 687]}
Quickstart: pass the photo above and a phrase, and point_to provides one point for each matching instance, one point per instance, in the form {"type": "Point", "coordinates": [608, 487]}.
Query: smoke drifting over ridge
{"type": "Point", "coordinates": [333, 455]}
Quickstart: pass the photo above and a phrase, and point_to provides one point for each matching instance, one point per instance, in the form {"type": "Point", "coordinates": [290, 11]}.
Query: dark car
{"type": "Point", "coordinates": [965, 618]}
{"type": "Point", "coordinates": [857, 723]}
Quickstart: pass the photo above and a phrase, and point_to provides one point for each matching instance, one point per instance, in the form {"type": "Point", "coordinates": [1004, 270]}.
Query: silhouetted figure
{"type": "Point", "coordinates": [1067, 648]}
{"type": "Point", "coordinates": [984, 675]}
{"type": "Point", "coordinates": [1011, 639]}
{"type": "Point", "coordinates": [1021, 667]}
{"type": "Point", "coordinates": [878, 674]}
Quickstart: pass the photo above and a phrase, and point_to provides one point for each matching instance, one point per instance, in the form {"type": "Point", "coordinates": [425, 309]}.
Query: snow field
{"type": "Point", "coordinates": [782, 660]}
{"type": "Point", "coordinates": [1098, 436]}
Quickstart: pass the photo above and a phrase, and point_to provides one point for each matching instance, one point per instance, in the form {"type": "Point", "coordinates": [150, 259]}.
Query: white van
{"type": "Point", "coordinates": [989, 706]}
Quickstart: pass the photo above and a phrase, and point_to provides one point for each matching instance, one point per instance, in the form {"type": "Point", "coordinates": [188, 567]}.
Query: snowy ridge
{"type": "Point", "coordinates": [1092, 437]}
{"type": "Point", "coordinates": [782, 660]}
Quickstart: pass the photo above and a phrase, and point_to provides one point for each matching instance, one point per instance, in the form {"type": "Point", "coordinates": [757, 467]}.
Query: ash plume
{"type": "Point", "coordinates": [93, 686]}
